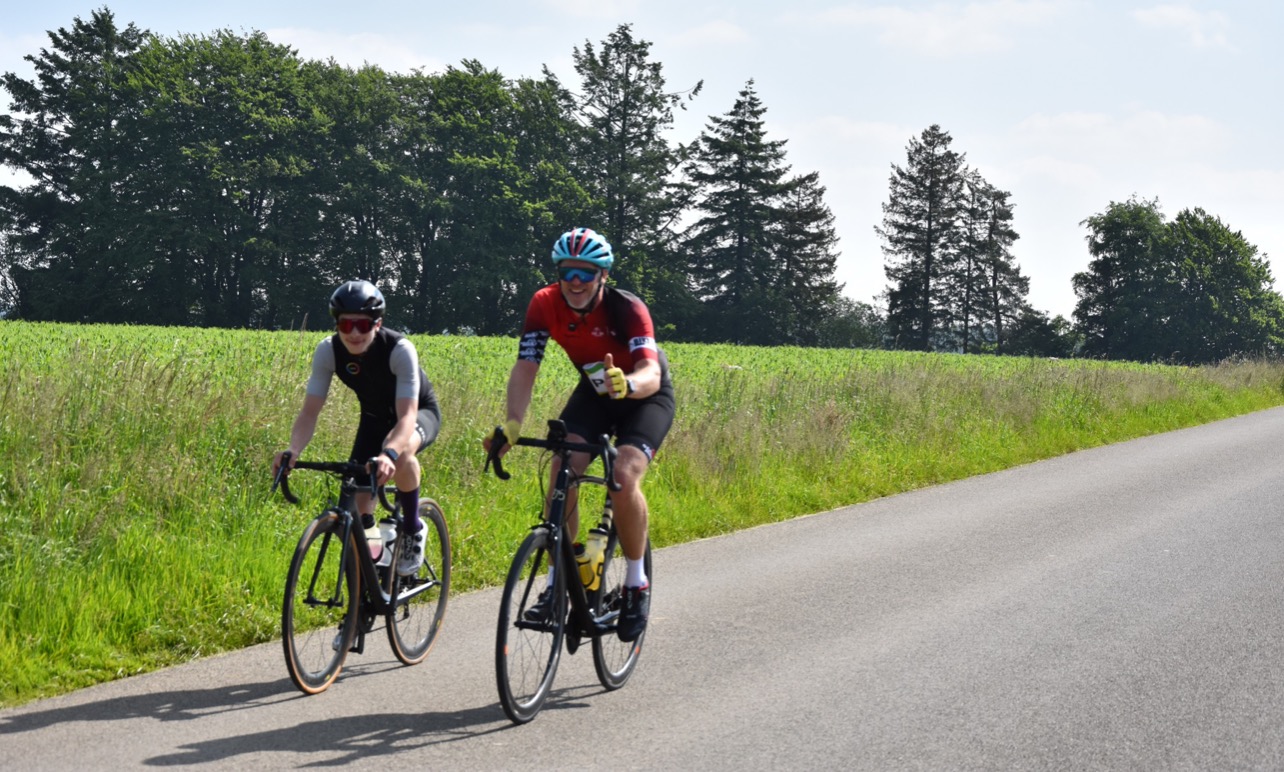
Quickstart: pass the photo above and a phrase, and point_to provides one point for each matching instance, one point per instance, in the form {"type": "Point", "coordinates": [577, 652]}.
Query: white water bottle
{"type": "Point", "coordinates": [387, 536]}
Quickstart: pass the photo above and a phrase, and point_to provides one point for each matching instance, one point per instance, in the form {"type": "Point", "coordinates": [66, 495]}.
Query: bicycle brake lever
{"type": "Point", "coordinates": [497, 442]}
{"type": "Point", "coordinates": [281, 472]}
{"type": "Point", "coordinates": [282, 479]}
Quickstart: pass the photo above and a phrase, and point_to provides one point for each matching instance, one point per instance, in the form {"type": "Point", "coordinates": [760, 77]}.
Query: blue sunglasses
{"type": "Point", "coordinates": [583, 275]}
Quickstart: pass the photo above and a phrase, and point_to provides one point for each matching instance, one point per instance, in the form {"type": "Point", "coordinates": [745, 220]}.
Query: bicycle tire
{"type": "Point", "coordinates": [414, 623]}
{"type": "Point", "coordinates": [527, 653]}
{"type": "Point", "coordinates": [319, 600]}
{"type": "Point", "coordinates": [613, 659]}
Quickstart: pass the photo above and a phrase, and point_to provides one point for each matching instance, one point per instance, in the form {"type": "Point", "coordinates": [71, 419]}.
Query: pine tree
{"type": "Point", "coordinates": [734, 244]}
{"type": "Point", "coordinates": [986, 291]}
{"type": "Point", "coordinates": [762, 252]}
{"type": "Point", "coordinates": [921, 237]}
{"type": "Point", "coordinates": [627, 163]}
{"type": "Point", "coordinates": [807, 260]}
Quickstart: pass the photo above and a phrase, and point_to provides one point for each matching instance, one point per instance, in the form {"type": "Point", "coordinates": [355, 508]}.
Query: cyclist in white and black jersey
{"type": "Point", "coordinates": [399, 411]}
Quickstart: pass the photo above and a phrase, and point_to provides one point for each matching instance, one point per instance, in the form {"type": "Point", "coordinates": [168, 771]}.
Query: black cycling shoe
{"type": "Point", "coordinates": [635, 607]}
{"type": "Point", "coordinates": [542, 611]}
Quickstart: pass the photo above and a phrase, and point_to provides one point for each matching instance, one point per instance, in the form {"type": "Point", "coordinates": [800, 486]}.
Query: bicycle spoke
{"type": "Point", "coordinates": [318, 618]}
{"type": "Point", "coordinates": [527, 651]}
{"type": "Point", "coordinates": [614, 659]}
{"type": "Point", "coordinates": [421, 599]}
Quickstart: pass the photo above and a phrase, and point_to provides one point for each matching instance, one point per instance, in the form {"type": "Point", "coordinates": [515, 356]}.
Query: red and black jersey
{"type": "Point", "coordinates": [620, 325]}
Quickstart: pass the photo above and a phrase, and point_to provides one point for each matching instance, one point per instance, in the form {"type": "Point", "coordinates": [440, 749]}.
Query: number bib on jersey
{"type": "Point", "coordinates": [596, 372]}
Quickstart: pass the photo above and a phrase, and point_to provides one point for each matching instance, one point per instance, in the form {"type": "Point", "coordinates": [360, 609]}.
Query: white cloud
{"type": "Point", "coordinates": [712, 33]}
{"type": "Point", "coordinates": [1142, 138]}
{"type": "Point", "coordinates": [945, 30]}
{"type": "Point", "coordinates": [1203, 30]}
{"type": "Point", "coordinates": [873, 137]}
{"type": "Point", "coordinates": [595, 9]}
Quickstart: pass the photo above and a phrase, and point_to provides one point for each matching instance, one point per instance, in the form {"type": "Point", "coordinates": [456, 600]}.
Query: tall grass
{"type": "Point", "coordinates": [136, 529]}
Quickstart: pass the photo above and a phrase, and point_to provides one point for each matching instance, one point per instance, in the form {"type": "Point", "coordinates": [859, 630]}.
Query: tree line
{"type": "Point", "coordinates": [221, 180]}
{"type": "Point", "coordinates": [1187, 291]}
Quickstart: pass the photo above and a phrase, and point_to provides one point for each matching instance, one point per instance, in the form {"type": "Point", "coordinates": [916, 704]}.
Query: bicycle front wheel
{"type": "Point", "coordinates": [319, 615]}
{"type": "Point", "coordinates": [421, 599]}
{"type": "Point", "coordinates": [614, 659]}
{"type": "Point", "coordinates": [528, 645]}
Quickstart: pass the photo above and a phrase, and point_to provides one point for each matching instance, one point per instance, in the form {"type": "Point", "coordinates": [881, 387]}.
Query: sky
{"type": "Point", "coordinates": [1069, 105]}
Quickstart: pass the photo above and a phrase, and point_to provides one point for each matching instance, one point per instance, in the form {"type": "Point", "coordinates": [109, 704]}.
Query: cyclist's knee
{"type": "Point", "coordinates": [408, 473]}
{"type": "Point", "coordinates": [630, 467]}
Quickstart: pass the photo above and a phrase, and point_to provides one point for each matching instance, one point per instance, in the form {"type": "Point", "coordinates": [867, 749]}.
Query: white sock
{"type": "Point", "coordinates": [636, 573]}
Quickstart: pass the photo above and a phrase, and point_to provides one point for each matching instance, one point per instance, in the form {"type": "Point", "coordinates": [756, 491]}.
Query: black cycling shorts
{"type": "Point", "coordinates": [373, 430]}
{"type": "Point", "coordinates": [642, 423]}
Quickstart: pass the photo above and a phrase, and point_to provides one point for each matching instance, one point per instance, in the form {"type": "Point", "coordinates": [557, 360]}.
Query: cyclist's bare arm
{"type": "Point", "coordinates": [521, 384]}
{"type": "Point", "coordinates": [645, 377]}
{"type": "Point", "coordinates": [305, 425]}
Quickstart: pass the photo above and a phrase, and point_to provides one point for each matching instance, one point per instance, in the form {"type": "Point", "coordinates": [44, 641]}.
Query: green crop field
{"type": "Point", "coordinates": [136, 529]}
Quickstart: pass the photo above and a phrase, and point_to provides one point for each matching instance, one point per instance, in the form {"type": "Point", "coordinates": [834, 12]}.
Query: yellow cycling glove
{"type": "Point", "coordinates": [512, 431]}
{"type": "Point", "coordinates": [619, 383]}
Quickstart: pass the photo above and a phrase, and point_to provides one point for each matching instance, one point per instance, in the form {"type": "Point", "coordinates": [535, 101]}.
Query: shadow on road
{"type": "Point", "coordinates": [342, 740]}
{"type": "Point", "coordinates": [181, 705]}
{"type": "Point", "coordinates": [327, 742]}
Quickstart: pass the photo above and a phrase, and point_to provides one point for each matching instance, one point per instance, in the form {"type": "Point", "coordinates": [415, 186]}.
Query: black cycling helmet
{"type": "Point", "coordinates": [357, 297]}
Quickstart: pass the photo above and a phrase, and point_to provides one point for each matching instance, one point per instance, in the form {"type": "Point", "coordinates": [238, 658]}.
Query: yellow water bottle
{"type": "Point", "coordinates": [594, 555]}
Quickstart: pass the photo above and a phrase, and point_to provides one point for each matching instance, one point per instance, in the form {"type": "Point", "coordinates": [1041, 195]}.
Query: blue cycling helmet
{"type": "Point", "coordinates": [583, 244]}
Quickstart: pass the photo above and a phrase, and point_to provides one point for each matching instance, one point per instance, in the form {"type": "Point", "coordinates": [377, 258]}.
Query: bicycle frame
{"type": "Point", "coordinates": [375, 591]}
{"type": "Point", "coordinates": [586, 623]}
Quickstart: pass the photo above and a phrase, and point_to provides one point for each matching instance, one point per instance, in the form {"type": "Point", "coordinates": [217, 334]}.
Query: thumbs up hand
{"type": "Point", "coordinates": [616, 383]}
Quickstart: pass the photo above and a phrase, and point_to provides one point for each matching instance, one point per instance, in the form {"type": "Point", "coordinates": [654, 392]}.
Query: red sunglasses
{"type": "Point", "coordinates": [361, 325]}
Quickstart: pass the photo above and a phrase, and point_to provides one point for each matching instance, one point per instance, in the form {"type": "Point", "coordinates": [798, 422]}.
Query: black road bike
{"type": "Point", "coordinates": [335, 591]}
{"type": "Point", "coordinates": [528, 645]}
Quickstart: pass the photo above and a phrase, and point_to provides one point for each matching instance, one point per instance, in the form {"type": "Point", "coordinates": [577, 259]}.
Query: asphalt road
{"type": "Point", "coordinates": [1117, 608]}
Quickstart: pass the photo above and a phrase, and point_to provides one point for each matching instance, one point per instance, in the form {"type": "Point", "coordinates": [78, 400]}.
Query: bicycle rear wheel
{"type": "Point", "coordinates": [319, 615]}
{"type": "Point", "coordinates": [527, 651]}
{"type": "Point", "coordinates": [421, 599]}
{"type": "Point", "coordinates": [614, 659]}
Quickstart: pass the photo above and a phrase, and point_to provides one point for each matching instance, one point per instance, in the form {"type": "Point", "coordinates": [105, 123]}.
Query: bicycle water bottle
{"type": "Point", "coordinates": [373, 537]}
{"type": "Point", "coordinates": [595, 550]}
{"type": "Point", "coordinates": [387, 536]}
{"type": "Point", "coordinates": [594, 555]}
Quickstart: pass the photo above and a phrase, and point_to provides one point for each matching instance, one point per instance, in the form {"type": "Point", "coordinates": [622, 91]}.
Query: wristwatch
{"type": "Point", "coordinates": [632, 386]}
{"type": "Point", "coordinates": [392, 454]}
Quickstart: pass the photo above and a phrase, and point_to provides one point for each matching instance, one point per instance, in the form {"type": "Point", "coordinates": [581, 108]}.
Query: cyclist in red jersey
{"type": "Point", "coordinates": [624, 391]}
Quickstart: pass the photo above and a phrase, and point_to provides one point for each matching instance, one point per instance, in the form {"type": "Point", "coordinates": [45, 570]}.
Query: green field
{"type": "Point", "coordinates": [134, 464]}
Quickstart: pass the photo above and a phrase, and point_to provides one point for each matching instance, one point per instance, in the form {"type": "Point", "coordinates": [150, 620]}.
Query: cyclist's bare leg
{"type": "Point", "coordinates": [365, 504]}
{"type": "Point", "coordinates": [408, 473]}
{"type": "Point", "coordinates": [579, 461]}
{"type": "Point", "coordinates": [629, 503]}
